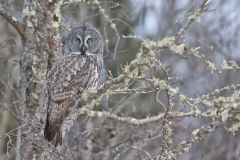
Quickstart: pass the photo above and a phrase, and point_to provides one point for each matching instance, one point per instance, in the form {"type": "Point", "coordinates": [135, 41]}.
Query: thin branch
{"type": "Point", "coordinates": [199, 12]}
{"type": "Point", "coordinates": [131, 120]}
{"type": "Point", "coordinates": [112, 25]}
{"type": "Point", "coordinates": [196, 136]}
{"type": "Point", "coordinates": [167, 142]}
{"type": "Point", "coordinates": [13, 21]}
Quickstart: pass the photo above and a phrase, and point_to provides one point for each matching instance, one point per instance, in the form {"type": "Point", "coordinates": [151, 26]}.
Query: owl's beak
{"type": "Point", "coordinates": [83, 50]}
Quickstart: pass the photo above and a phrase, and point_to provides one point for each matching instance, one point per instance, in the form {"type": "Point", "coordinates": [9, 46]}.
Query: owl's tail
{"type": "Point", "coordinates": [53, 134]}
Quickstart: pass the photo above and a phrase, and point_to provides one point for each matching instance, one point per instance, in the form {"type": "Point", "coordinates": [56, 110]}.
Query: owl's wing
{"type": "Point", "coordinates": [65, 83]}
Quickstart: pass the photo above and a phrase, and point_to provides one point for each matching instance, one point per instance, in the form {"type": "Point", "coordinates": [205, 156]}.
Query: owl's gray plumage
{"type": "Point", "coordinates": [77, 69]}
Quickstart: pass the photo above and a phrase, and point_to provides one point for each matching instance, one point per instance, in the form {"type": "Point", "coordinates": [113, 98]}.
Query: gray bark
{"type": "Point", "coordinates": [40, 43]}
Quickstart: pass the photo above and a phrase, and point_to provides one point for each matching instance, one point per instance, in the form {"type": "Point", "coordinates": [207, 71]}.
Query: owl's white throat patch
{"type": "Point", "coordinates": [87, 53]}
{"type": "Point", "coordinates": [76, 53]}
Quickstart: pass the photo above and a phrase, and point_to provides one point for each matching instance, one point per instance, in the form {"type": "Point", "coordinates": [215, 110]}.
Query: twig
{"type": "Point", "coordinates": [194, 16]}
{"type": "Point", "coordinates": [196, 136]}
{"type": "Point", "coordinates": [112, 24]}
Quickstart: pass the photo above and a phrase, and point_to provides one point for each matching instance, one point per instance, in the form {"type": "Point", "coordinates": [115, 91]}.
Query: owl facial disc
{"type": "Point", "coordinates": [84, 39]}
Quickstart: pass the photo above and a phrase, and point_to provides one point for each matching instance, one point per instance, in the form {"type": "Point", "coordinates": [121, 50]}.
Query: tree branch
{"type": "Point", "coordinates": [196, 136]}
{"type": "Point", "coordinates": [131, 120]}
{"type": "Point", "coordinates": [13, 21]}
{"type": "Point", "coordinates": [198, 13]}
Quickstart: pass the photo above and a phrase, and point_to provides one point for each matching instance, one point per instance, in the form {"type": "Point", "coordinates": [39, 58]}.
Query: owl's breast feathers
{"type": "Point", "coordinates": [69, 77]}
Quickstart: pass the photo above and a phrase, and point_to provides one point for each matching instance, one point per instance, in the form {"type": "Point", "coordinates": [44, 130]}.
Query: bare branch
{"type": "Point", "coordinates": [191, 18]}
{"type": "Point", "coordinates": [196, 136]}
{"type": "Point", "coordinates": [131, 120]}
{"type": "Point", "coordinates": [13, 21]}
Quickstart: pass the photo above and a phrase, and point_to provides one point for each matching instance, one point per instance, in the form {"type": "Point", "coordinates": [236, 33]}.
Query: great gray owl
{"type": "Point", "coordinates": [76, 70]}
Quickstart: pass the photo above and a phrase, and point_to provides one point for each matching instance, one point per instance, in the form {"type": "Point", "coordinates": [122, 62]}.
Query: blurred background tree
{"type": "Point", "coordinates": [177, 63]}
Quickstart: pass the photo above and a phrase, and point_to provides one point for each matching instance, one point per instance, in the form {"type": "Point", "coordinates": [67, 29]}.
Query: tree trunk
{"type": "Point", "coordinates": [40, 45]}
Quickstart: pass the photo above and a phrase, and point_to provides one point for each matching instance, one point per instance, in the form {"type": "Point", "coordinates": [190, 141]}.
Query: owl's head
{"type": "Point", "coordinates": [85, 40]}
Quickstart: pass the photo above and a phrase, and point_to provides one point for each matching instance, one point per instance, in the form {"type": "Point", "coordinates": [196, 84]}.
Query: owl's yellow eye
{"type": "Point", "coordinates": [78, 40]}
{"type": "Point", "coordinates": [89, 40]}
